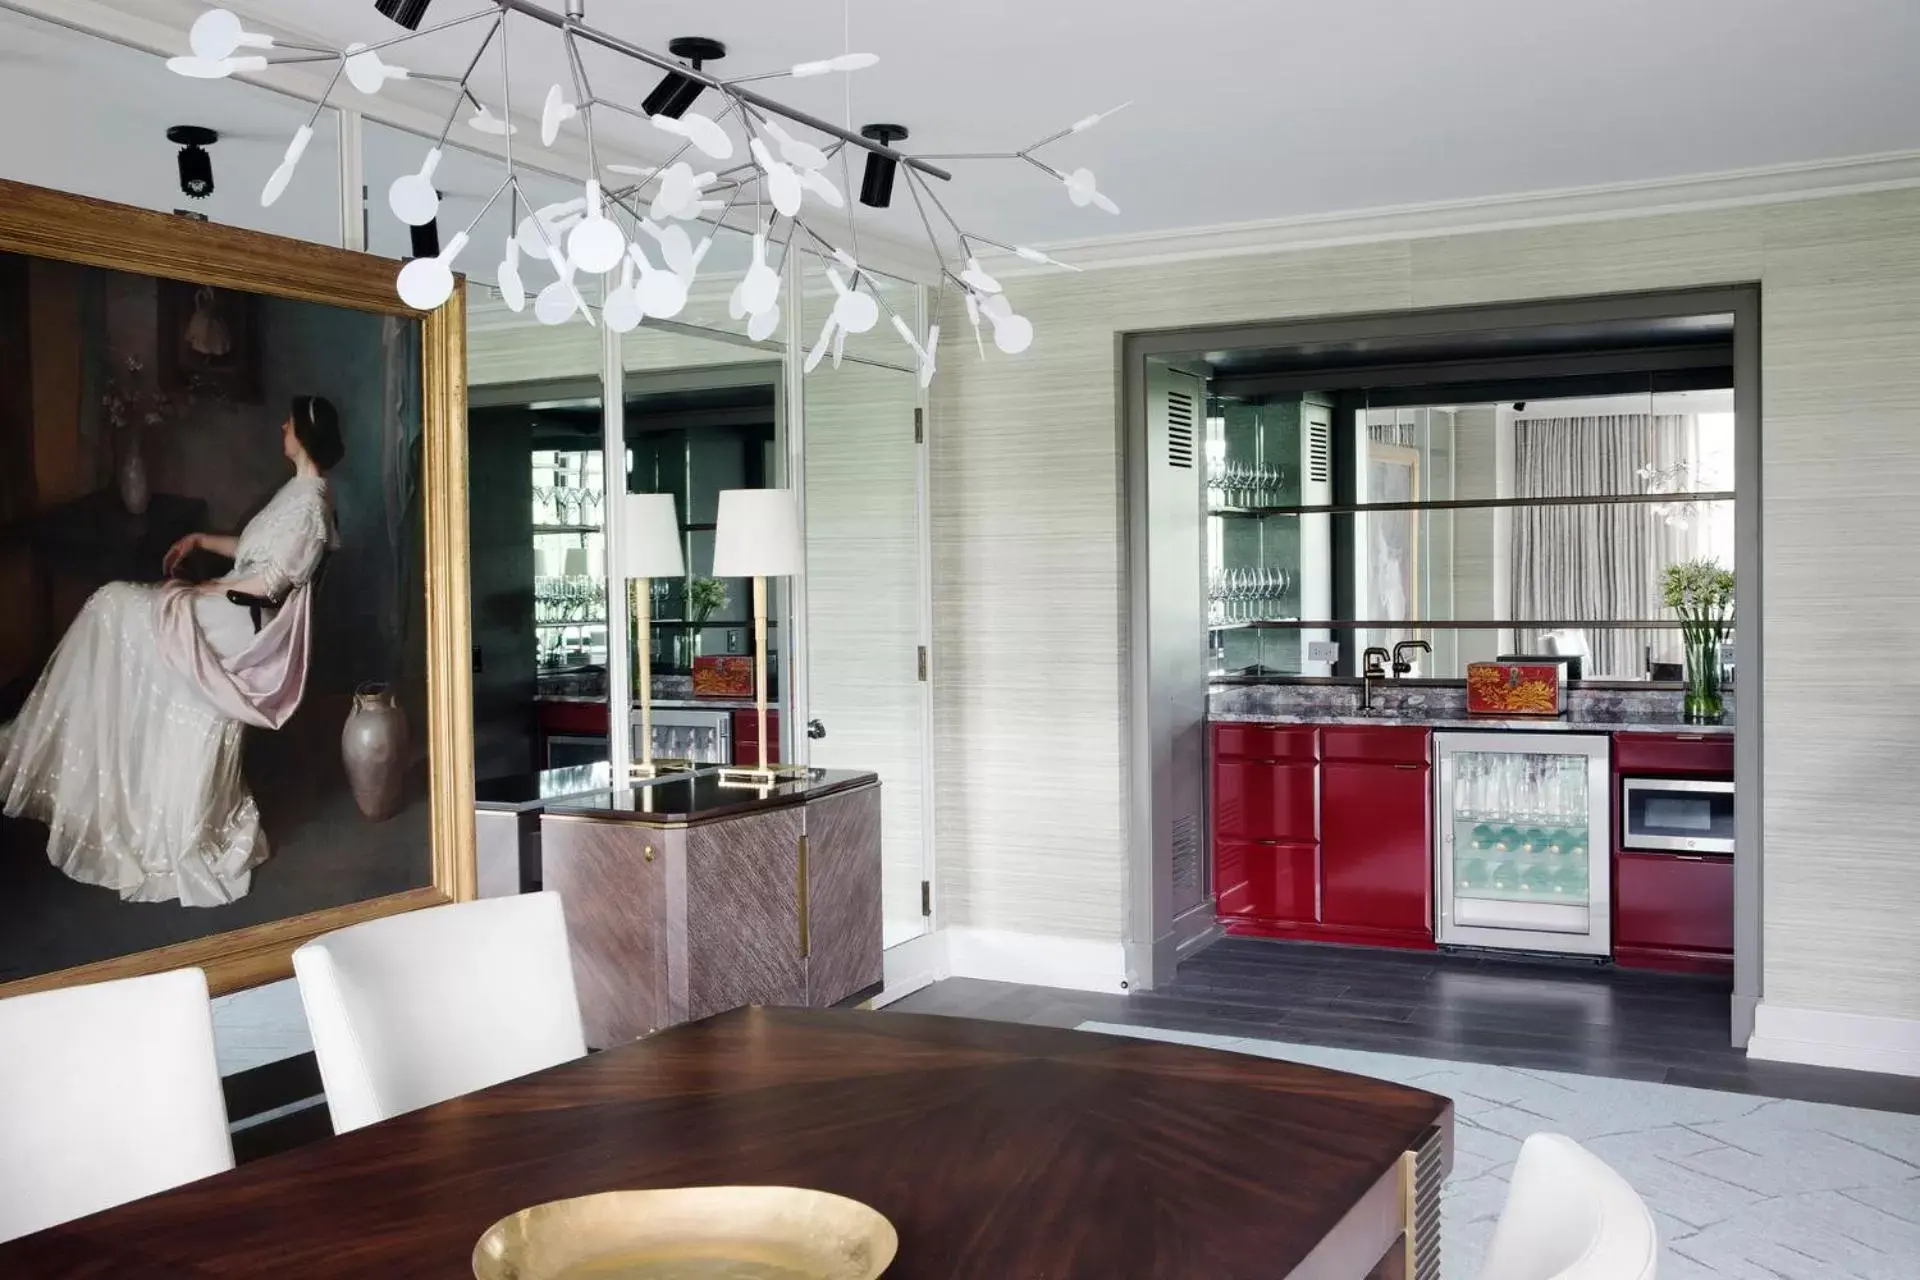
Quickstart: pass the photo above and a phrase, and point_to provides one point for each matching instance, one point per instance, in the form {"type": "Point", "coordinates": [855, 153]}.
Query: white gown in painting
{"type": "Point", "coordinates": [128, 749]}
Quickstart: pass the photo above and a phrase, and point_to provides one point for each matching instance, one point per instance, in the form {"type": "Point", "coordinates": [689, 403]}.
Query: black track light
{"type": "Point", "coordinates": [408, 13]}
{"type": "Point", "coordinates": [876, 183]}
{"type": "Point", "coordinates": [196, 166]}
{"type": "Point", "coordinates": [426, 239]}
{"type": "Point", "coordinates": [676, 93]}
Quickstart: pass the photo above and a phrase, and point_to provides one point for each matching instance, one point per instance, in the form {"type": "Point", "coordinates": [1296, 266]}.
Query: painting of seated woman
{"type": "Point", "coordinates": [212, 537]}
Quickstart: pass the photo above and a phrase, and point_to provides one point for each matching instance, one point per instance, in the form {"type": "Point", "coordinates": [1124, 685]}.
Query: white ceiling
{"type": "Point", "coordinates": [99, 114]}
{"type": "Point", "coordinates": [1245, 110]}
{"type": "Point", "coordinates": [1260, 109]}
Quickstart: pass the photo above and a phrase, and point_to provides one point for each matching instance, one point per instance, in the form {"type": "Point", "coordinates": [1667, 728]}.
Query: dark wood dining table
{"type": "Point", "coordinates": [997, 1150]}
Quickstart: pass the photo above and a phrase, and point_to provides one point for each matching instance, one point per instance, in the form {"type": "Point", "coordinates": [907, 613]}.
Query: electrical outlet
{"type": "Point", "coordinates": [733, 642]}
{"type": "Point", "coordinates": [1323, 651]}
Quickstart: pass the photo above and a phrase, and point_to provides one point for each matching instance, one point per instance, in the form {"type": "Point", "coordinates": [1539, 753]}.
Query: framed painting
{"type": "Point", "coordinates": [234, 672]}
{"type": "Point", "coordinates": [207, 344]}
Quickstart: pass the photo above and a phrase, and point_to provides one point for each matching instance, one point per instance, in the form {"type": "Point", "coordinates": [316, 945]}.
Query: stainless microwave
{"type": "Point", "coordinates": [1676, 815]}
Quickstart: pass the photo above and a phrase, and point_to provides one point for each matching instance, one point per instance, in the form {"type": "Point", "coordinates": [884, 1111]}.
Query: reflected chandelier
{"type": "Point", "coordinates": [606, 230]}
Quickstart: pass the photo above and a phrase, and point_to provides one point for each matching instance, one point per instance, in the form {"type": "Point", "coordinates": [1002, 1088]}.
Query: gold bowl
{"type": "Point", "coordinates": [690, 1233]}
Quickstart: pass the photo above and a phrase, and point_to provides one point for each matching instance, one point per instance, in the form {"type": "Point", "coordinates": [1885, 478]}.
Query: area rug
{"type": "Point", "coordinates": [1743, 1188]}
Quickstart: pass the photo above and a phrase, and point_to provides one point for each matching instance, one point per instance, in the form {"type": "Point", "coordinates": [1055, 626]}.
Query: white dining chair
{"type": "Point", "coordinates": [108, 1092]}
{"type": "Point", "coordinates": [417, 1008]}
{"type": "Point", "coordinates": [1569, 1216]}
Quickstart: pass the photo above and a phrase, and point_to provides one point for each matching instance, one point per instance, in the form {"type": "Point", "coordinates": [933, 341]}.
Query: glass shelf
{"type": "Point", "coordinates": [1254, 565]}
{"type": "Point", "coordinates": [568, 483]}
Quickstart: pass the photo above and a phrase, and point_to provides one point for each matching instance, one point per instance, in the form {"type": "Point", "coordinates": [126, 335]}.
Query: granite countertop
{"type": "Point", "coordinates": [703, 797]}
{"type": "Point", "coordinates": [1616, 708]}
{"type": "Point", "coordinates": [1442, 720]}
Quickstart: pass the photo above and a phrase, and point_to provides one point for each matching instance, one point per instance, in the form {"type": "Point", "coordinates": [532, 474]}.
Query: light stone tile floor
{"type": "Point", "coordinates": [1742, 1188]}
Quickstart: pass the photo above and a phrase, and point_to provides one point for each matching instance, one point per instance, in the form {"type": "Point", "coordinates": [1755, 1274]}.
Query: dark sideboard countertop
{"type": "Point", "coordinates": [520, 792]}
{"type": "Point", "coordinates": [703, 797]}
{"type": "Point", "coordinates": [1610, 708]}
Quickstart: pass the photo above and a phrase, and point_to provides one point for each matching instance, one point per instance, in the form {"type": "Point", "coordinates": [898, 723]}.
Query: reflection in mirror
{"type": "Point", "coordinates": [1594, 446]}
{"type": "Point", "coordinates": [538, 568]}
{"type": "Point", "coordinates": [879, 342]}
{"type": "Point", "coordinates": [1588, 502]}
{"type": "Point", "coordinates": [704, 413]}
{"type": "Point", "coordinates": [1642, 652]}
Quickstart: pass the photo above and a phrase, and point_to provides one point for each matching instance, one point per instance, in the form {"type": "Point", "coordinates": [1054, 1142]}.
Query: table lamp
{"type": "Point", "coordinates": [758, 537]}
{"type": "Point", "coordinates": [650, 548]}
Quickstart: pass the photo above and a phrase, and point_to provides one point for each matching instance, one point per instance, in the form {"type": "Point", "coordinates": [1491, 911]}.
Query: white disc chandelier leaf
{"type": "Point", "coordinates": [412, 196]}
{"type": "Point", "coordinates": [367, 73]}
{"type": "Point", "coordinates": [788, 170]}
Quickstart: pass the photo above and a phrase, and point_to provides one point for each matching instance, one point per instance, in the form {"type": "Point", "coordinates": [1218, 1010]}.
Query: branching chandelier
{"type": "Point", "coordinates": [607, 231]}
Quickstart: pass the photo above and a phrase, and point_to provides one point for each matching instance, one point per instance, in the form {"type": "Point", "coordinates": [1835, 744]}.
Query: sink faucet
{"type": "Point", "coordinates": [1401, 666]}
{"type": "Point", "coordinates": [1370, 671]}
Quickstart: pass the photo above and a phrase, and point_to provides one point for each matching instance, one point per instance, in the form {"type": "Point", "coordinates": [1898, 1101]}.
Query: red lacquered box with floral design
{"type": "Point", "coordinates": [722, 677]}
{"type": "Point", "coordinates": [1516, 689]}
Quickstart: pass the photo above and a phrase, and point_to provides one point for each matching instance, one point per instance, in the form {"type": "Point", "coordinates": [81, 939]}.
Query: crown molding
{"type": "Point", "coordinates": [1610, 202]}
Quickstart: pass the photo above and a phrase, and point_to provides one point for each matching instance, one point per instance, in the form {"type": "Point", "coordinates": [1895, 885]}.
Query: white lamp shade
{"type": "Point", "coordinates": [650, 537]}
{"type": "Point", "coordinates": [758, 535]}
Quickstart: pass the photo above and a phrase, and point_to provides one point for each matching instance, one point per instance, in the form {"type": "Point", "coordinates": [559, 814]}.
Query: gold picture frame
{"type": "Point", "coordinates": [40, 223]}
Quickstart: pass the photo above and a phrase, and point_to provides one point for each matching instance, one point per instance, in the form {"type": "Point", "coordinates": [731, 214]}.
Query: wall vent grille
{"type": "Point", "coordinates": [1182, 421]}
{"type": "Point", "coordinates": [1185, 868]}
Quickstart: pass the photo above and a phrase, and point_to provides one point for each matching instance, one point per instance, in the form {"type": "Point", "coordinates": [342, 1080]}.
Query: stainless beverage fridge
{"type": "Point", "coordinates": [1523, 842]}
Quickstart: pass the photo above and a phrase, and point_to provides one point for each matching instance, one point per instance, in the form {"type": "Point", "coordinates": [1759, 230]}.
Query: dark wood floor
{"type": "Point", "coordinates": [1466, 1008]}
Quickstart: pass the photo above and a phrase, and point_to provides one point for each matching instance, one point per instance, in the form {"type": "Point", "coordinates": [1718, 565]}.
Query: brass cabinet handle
{"type": "Point", "coordinates": [1409, 766]}
{"type": "Point", "coordinates": [649, 854]}
{"type": "Point", "coordinates": [805, 923]}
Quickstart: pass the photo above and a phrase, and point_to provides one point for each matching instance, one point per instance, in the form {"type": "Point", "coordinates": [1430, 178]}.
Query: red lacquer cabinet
{"type": "Point", "coordinates": [1266, 823]}
{"type": "Point", "coordinates": [1671, 911]}
{"type": "Point", "coordinates": [746, 737]}
{"type": "Point", "coordinates": [1322, 833]}
{"type": "Point", "coordinates": [1375, 857]}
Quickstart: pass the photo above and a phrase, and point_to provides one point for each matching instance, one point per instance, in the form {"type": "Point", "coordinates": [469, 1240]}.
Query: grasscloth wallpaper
{"type": "Point", "coordinates": [1030, 659]}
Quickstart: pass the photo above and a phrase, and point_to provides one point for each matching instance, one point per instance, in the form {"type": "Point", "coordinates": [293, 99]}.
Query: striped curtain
{"type": "Point", "coordinates": [1599, 562]}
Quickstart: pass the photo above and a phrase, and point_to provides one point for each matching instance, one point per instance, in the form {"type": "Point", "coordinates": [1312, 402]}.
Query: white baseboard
{"type": "Point", "coordinates": [911, 965]}
{"type": "Point", "coordinates": [1855, 1041]}
{"type": "Point", "coordinates": [1035, 959]}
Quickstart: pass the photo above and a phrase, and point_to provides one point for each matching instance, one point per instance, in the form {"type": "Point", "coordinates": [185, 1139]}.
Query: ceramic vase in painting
{"type": "Point", "coordinates": [374, 747]}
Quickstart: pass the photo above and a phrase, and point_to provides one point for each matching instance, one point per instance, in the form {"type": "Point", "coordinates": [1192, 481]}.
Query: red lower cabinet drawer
{"type": "Point", "coordinates": [1664, 903]}
{"type": "Point", "coordinates": [1264, 800]}
{"type": "Point", "coordinates": [1264, 741]}
{"type": "Point", "coordinates": [1671, 753]}
{"type": "Point", "coordinates": [1266, 880]}
{"type": "Point", "coordinates": [1384, 744]}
